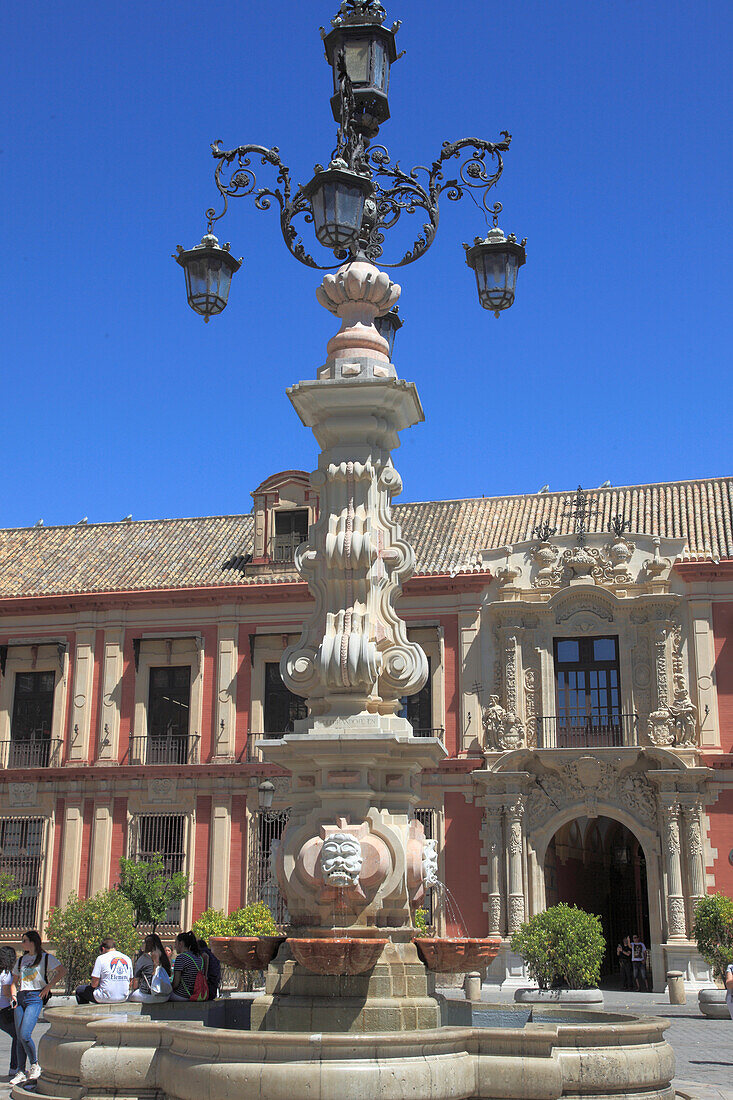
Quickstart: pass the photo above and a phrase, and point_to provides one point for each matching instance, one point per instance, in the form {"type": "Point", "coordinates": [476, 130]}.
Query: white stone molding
{"type": "Point", "coordinates": [81, 708]}
{"type": "Point", "coordinates": [71, 849]}
{"type": "Point", "coordinates": [109, 720]}
{"type": "Point", "coordinates": [220, 851]}
{"type": "Point", "coordinates": [101, 846]}
{"type": "Point", "coordinates": [226, 691]}
{"type": "Point", "coordinates": [703, 653]}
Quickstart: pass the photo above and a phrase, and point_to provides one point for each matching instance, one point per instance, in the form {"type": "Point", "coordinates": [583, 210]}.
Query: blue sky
{"type": "Point", "coordinates": [612, 364]}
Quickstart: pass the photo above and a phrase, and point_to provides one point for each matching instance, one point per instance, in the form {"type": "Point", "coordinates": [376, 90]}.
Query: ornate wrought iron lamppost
{"type": "Point", "coordinates": [361, 195]}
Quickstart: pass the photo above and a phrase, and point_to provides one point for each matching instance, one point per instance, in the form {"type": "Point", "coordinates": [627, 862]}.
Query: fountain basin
{"type": "Point", "coordinates": [337, 955]}
{"type": "Point", "coordinates": [99, 1053]}
{"type": "Point", "coordinates": [246, 952]}
{"type": "Point", "coordinates": [452, 956]}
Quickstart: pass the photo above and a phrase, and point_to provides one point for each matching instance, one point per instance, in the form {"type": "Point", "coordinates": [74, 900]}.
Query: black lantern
{"type": "Point", "coordinates": [368, 50]}
{"type": "Point", "coordinates": [265, 794]}
{"type": "Point", "coordinates": [496, 261]}
{"type": "Point", "coordinates": [388, 326]}
{"type": "Point", "coordinates": [337, 199]}
{"type": "Point", "coordinates": [209, 271]}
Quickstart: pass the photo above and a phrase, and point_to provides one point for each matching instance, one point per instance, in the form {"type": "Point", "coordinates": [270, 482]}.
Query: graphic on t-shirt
{"type": "Point", "coordinates": [120, 968]}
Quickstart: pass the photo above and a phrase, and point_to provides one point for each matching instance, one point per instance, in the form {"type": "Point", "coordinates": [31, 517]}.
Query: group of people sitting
{"type": "Point", "coordinates": [194, 976]}
{"type": "Point", "coordinates": [25, 985]}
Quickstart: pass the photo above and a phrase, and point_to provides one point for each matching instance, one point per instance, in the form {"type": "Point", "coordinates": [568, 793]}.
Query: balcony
{"type": "Point", "coordinates": [594, 731]}
{"type": "Point", "coordinates": [439, 733]}
{"type": "Point", "coordinates": [171, 748]}
{"type": "Point", "coordinates": [283, 552]}
{"type": "Point", "coordinates": [31, 752]}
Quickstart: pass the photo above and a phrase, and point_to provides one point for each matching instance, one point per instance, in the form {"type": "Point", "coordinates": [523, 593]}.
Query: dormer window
{"type": "Point", "coordinates": [291, 528]}
{"type": "Point", "coordinates": [285, 507]}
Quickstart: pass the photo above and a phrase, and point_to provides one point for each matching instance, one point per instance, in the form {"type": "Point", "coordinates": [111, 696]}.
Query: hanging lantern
{"type": "Point", "coordinates": [337, 198]}
{"type": "Point", "coordinates": [496, 261]}
{"type": "Point", "coordinates": [209, 269]}
{"type": "Point", "coordinates": [368, 50]}
{"type": "Point", "coordinates": [388, 325]}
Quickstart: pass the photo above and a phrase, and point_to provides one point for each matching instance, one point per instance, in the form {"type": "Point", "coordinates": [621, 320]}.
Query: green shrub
{"type": "Point", "coordinates": [562, 947]}
{"type": "Point", "coordinates": [10, 891]}
{"type": "Point", "coordinates": [151, 889]}
{"type": "Point", "coordinates": [250, 920]}
{"type": "Point", "coordinates": [713, 932]}
{"type": "Point", "coordinates": [77, 928]}
{"type": "Point", "coordinates": [420, 921]}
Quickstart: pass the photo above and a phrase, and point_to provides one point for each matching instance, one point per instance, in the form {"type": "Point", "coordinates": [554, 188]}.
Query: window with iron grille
{"type": "Point", "coordinates": [30, 729]}
{"type": "Point", "coordinates": [418, 708]}
{"type": "Point", "coordinates": [164, 835]}
{"type": "Point", "coordinates": [282, 707]}
{"type": "Point", "coordinates": [429, 821]}
{"type": "Point", "coordinates": [266, 827]}
{"type": "Point", "coordinates": [169, 707]}
{"type": "Point", "coordinates": [21, 857]}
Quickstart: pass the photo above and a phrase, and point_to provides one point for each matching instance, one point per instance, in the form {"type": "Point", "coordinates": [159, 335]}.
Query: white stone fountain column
{"type": "Point", "coordinates": [354, 762]}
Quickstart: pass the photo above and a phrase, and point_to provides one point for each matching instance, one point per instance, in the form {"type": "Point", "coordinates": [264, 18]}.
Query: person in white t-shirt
{"type": "Point", "coordinates": [729, 988]}
{"type": "Point", "coordinates": [111, 977]}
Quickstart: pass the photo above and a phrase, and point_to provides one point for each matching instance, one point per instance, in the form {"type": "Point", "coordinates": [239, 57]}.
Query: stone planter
{"type": "Point", "coordinates": [712, 1004]}
{"type": "Point", "coordinates": [453, 956]}
{"type": "Point", "coordinates": [590, 998]}
{"type": "Point", "coordinates": [337, 955]}
{"type": "Point", "coordinates": [246, 952]}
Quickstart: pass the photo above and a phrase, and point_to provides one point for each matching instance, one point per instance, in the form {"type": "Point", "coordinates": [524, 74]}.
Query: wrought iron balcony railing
{"type": "Point", "coordinates": [285, 547]}
{"type": "Point", "coordinates": [439, 732]}
{"type": "Point", "coordinates": [31, 752]}
{"type": "Point", "coordinates": [171, 748]}
{"type": "Point", "coordinates": [587, 731]}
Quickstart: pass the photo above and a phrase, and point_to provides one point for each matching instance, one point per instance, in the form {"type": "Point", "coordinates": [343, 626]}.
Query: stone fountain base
{"type": "Point", "coordinates": [395, 995]}
{"type": "Point", "coordinates": [100, 1052]}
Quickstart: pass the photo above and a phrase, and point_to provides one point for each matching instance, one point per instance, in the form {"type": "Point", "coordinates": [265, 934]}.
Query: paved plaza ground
{"type": "Point", "coordinates": [703, 1048]}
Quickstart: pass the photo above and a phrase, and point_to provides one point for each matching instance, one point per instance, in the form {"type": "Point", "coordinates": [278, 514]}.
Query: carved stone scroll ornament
{"type": "Point", "coordinates": [508, 573]}
{"type": "Point", "coordinates": [430, 863]}
{"type": "Point", "coordinates": [354, 656]}
{"type": "Point", "coordinates": [503, 729]}
{"type": "Point", "coordinates": [632, 791]}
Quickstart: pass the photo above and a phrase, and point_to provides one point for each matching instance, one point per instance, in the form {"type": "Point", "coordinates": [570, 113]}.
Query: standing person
{"type": "Point", "coordinates": [623, 952]}
{"type": "Point", "coordinates": [7, 1016]}
{"type": "Point", "coordinates": [147, 973]}
{"type": "Point", "coordinates": [638, 962]}
{"type": "Point", "coordinates": [33, 975]}
{"type": "Point", "coordinates": [111, 977]}
{"type": "Point", "coordinates": [213, 971]}
{"type": "Point", "coordinates": [190, 964]}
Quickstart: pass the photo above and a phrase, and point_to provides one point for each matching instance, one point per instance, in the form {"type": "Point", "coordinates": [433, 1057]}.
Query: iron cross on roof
{"type": "Point", "coordinates": [581, 511]}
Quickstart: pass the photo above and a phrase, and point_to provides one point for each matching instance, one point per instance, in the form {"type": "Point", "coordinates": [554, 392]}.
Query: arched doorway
{"type": "Point", "coordinates": [599, 865]}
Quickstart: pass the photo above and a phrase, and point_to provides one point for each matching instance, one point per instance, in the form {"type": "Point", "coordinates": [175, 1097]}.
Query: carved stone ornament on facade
{"type": "Point", "coordinates": [508, 573]}
{"type": "Point", "coordinates": [545, 556]}
{"type": "Point", "coordinates": [503, 729]}
{"type": "Point", "coordinates": [22, 794]}
{"type": "Point", "coordinates": [552, 793]}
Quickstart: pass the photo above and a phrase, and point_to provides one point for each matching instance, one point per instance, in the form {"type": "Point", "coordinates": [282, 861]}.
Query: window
{"type": "Point", "coordinates": [21, 857]}
{"type": "Point", "coordinates": [588, 692]}
{"type": "Point", "coordinates": [282, 708]}
{"type": "Point", "coordinates": [169, 706]}
{"type": "Point", "coordinates": [30, 729]}
{"type": "Point", "coordinates": [164, 835]}
{"type": "Point", "coordinates": [418, 708]}
{"type": "Point", "coordinates": [266, 829]}
{"type": "Point", "coordinates": [291, 528]}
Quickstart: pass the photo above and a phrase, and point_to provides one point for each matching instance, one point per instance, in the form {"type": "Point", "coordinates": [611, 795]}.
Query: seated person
{"type": "Point", "coordinates": [147, 986]}
{"type": "Point", "coordinates": [189, 963]}
{"type": "Point", "coordinates": [213, 973]}
{"type": "Point", "coordinates": [111, 977]}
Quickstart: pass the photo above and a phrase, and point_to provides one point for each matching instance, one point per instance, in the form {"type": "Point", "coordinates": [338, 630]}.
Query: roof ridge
{"type": "Point", "coordinates": [125, 522]}
{"type": "Point", "coordinates": [565, 492]}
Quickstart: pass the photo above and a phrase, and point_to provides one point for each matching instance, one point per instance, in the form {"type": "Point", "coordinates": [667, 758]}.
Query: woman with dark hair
{"type": "Point", "coordinates": [148, 984]}
{"type": "Point", "coordinates": [7, 1018]}
{"type": "Point", "coordinates": [189, 964]}
{"type": "Point", "coordinates": [33, 975]}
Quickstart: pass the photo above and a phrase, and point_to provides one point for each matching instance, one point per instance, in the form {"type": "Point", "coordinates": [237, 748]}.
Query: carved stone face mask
{"type": "Point", "coordinates": [341, 860]}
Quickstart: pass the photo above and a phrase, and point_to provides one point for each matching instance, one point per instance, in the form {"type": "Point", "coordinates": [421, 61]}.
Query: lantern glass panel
{"type": "Point", "coordinates": [209, 280]}
{"type": "Point", "coordinates": [337, 212]}
{"type": "Point", "coordinates": [496, 276]}
{"type": "Point", "coordinates": [357, 60]}
{"type": "Point", "coordinates": [380, 75]}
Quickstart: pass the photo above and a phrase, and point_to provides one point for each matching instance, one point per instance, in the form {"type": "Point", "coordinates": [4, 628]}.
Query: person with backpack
{"type": "Point", "coordinates": [213, 972]}
{"type": "Point", "coordinates": [33, 975]}
{"type": "Point", "coordinates": [189, 970]}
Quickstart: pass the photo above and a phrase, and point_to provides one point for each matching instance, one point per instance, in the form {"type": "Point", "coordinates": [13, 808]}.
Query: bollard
{"type": "Point", "coordinates": [676, 987]}
{"type": "Point", "coordinates": [472, 986]}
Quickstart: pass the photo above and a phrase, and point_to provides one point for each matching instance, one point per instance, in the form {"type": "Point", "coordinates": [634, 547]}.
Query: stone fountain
{"type": "Point", "coordinates": [349, 1006]}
